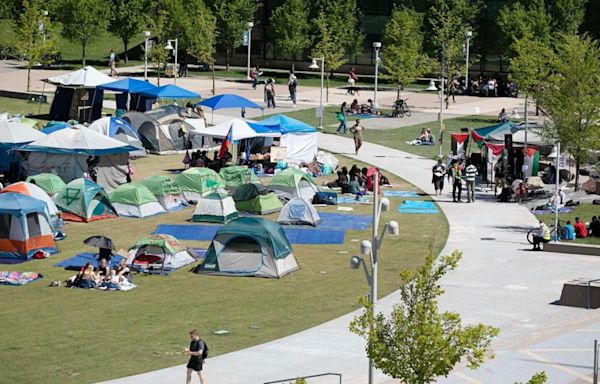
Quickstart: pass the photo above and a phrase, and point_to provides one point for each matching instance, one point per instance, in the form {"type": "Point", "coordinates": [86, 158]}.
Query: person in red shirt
{"type": "Point", "coordinates": [580, 229]}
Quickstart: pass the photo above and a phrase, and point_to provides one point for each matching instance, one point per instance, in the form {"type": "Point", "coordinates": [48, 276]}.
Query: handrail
{"type": "Point", "coordinates": [339, 375]}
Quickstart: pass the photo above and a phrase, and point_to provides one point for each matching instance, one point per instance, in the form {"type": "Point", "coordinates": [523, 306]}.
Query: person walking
{"type": "Point", "coordinates": [470, 174]}
{"type": "Point", "coordinates": [112, 63]}
{"type": "Point", "coordinates": [270, 93]}
{"type": "Point", "coordinates": [357, 131]}
{"type": "Point", "coordinates": [341, 117]}
{"type": "Point", "coordinates": [196, 351]}
{"type": "Point", "coordinates": [457, 181]}
{"type": "Point", "coordinates": [352, 81]}
{"type": "Point", "coordinates": [439, 170]}
{"type": "Point", "coordinates": [254, 75]}
{"type": "Point", "coordinates": [292, 84]}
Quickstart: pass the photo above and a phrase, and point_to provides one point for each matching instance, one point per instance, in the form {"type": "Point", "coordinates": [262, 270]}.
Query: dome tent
{"type": "Point", "coordinates": [249, 246]}
{"type": "Point", "coordinates": [295, 182]}
{"type": "Point", "coordinates": [135, 200]}
{"type": "Point", "coordinates": [121, 130]}
{"type": "Point", "coordinates": [215, 207]}
{"type": "Point", "coordinates": [84, 200]}
{"type": "Point", "coordinates": [165, 190]}
{"type": "Point", "coordinates": [299, 212]}
{"type": "Point", "coordinates": [196, 181]}
{"type": "Point", "coordinates": [34, 191]}
{"type": "Point", "coordinates": [256, 198]}
{"type": "Point", "coordinates": [48, 182]}
{"type": "Point", "coordinates": [159, 252]}
{"type": "Point", "coordinates": [236, 175]}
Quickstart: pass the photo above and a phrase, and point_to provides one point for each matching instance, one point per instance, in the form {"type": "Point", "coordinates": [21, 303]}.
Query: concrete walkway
{"type": "Point", "coordinates": [498, 282]}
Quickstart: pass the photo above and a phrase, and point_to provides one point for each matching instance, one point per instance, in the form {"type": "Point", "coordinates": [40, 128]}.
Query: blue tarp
{"type": "Point", "coordinates": [394, 193]}
{"type": "Point", "coordinates": [344, 221]}
{"type": "Point", "coordinates": [82, 259]}
{"type": "Point", "coordinates": [412, 206]}
{"type": "Point", "coordinates": [170, 92]}
{"type": "Point", "coordinates": [128, 85]}
{"type": "Point", "coordinates": [228, 100]}
{"type": "Point", "coordinates": [54, 126]}
{"type": "Point", "coordinates": [281, 124]}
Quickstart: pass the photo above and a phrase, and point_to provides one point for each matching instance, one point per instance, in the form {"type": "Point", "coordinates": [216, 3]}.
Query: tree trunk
{"type": "Point", "coordinates": [576, 173]}
{"type": "Point", "coordinates": [125, 44]}
{"type": "Point", "coordinates": [213, 76]}
{"type": "Point", "coordinates": [327, 88]}
{"type": "Point", "coordinates": [28, 74]}
{"type": "Point", "coordinates": [158, 74]}
{"type": "Point", "coordinates": [294, 64]}
{"type": "Point", "coordinates": [83, 42]}
{"type": "Point", "coordinates": [227, 59]}
{"type": "Point", "coordinates": [398, 93]}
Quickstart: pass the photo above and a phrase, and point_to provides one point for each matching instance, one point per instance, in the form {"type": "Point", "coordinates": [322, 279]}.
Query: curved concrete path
{"type": "Point", "coordinates": [498, 282]}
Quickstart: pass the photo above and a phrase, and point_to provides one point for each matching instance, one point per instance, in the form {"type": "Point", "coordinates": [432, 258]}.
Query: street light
{"type": "Point", "coordinates": [468, 35]}
{"type": "Point", "coordinates": [314, 65]}
{"type": "Point", "coordinates": [557, 195]}
{"type": "Point", "coordinates": [146, 37]}
{"type": "Point", "coordinates": [371, 249]}
{"type": "Point", "coordinates": [249, 24]}
{"type": "Point", "coordinates": [377, 46]}
{"type": "Point", "coordinates": [441, 114]}
{"type": "Point", "coordinates": [169, 47]}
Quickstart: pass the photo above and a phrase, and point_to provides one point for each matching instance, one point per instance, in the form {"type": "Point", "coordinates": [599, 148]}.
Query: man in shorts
{"type": "Point", "coordinates": [439, 170]}
{"type": "Point", "coordinates": [195, 351]}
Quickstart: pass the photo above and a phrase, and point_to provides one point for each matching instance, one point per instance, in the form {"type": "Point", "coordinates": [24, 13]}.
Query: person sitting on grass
{"type": "Point", "coordinates": [542, 236]}
{"type": "Point", "coordinates": [339, 181]}
{"type": "Point", "coordinates": [354, 186]}
{"type": "Point", "coordinates": [121, 272]}
{"type": "Point", "coordinates": [568, 232]}
{"type": "Point", "coordinates": [580, 229]}
{"type": "Point", "coordinates": [87, 278]}
{"type": "Point", "coordinates": [594, 227]}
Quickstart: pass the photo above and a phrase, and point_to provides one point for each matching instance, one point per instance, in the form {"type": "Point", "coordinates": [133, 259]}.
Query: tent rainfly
{"type": "Point", "coordinates": [166, 191]}
{"type": "Point", "coordinates": [215, 207]}
{"type": "Point", "coordinates": [295, 182]}
{"type": "Point", "coordinates": [48, 182]}
{"type": "Point", "coordinates": [194, 182]}
{"type": "Point", "coordinates": [256, 198]}
{"type": "Point", "coordinates": [135, 200]}
{"type": "Point", "coordinates": [121, 130]}
{"type": "Point", "coordinates": [236, 175]}
{"type": "Point", "coordinates": [84, 200]}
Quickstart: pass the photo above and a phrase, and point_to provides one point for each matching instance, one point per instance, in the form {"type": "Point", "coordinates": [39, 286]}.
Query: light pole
{"type": "Point", "coordinates": [441, 116]}
{"type": "Point", "coordinates": [314, 65]}
{"type": "Point", "coordinates": [468, 35]}
{"type": "Point", "coordinates": [169, 47]}
{"type": "Point", "coordinates": [146, 37]}
{"type": "Point", "coordinates": [371, 248]}
{"type": "Point", "coordinates": [557, 196]}
{"type": "Point", "coordinates": [42, 27]}
{"type": "Point", "coordinates": [377, 46]}
{"type": "Point", "coordinates": [249, 24]}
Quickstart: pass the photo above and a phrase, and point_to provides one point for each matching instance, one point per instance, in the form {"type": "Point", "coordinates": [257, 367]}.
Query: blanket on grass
{"type": "Point", "coordinates": [18, 278]}
{"type": "Point", "coordinates": [419, 207]}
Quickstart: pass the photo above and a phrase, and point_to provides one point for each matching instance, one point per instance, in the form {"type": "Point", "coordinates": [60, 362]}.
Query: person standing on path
{"type": "Point", "coordinates": [357, 130]}
{"type": "Point", "coordinates": [457, 182]}
{"type": "Point", "coordinates": [112, 63]}
{"type": "Point", "coordinates": [270, 93]}
{"type": "Point", "coordinates": [439, 170]}
{"type": "Point", "coordinates": [195, 351]}
{"type": "Point", "coordinates": [341, 117]}
{"type": "Point", "coordinates": [470, 174]}
{"type": "Point", "coordinates": [292, 84]}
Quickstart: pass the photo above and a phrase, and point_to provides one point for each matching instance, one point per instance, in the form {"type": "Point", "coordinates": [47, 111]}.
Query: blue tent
{"type": "Point", "coordinates": [128, 85]}
{"type": "Point", "coordinates": [281, 124]}
{"type": "Point", "coordinates": [228, 100]}
{"type": "Point", "coordinates": [170, 92]}
{"type": "Point", "coordinates": [54, 126]}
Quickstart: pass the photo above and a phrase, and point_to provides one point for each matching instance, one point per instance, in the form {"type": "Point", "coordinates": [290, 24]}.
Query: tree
{"type": "Point", "coordinates": [128, 20]}
{"type": "Point", "coordinates": [290, 28]}
{"type": "Point", "coordinates": [232, 17]}
{"type": "Point", "coordinates": [327, 47]}
{"type": "Point", "coordinates": [417, 343]}
{"type": "Point", "coordinates": [30, 30]}
{"type": "Point", "coordinates": [569, 100]}
{"type": "Point", "coordinates": [402, 55]}
{"type": "Point", "coordinates": [567, 15]}
{"type": "Point", "coordinates": [538, 378]}
{"type": "Point", "coordinates": [158, 54]}
{"type": "Point", "coordinates": [84, 20]}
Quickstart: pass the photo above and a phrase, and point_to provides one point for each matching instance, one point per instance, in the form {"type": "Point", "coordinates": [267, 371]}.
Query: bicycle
{"type": "Point", "coordinates": [400, 108]}
{"type": "Point", "coordinates": [533, 232]}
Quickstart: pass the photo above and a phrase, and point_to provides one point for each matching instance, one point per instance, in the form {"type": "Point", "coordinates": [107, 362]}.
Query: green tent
{"type": "Point", "coordinates": [236, 175]}
{"type": "Point", "coordinates": [84, 200]}
{"type": "Point", "coordinates": [249, 246]}
{"type": "Point", "coordinates": [295, 182]}
{"type": "Point", "coordinates": [165, 190]}
{"type": "Point", "coordinates": [159, 252]}
{"type": "Point", "coordinates": [135, 200]}
{"type": "Point", "coordinates": [48, 182]}
{"type": "Point", "coordinates": [196, 181]}
{"type": "Point", "coordinates": [256, 198]}
{"type": "Point", "coordinates": [215, 207]}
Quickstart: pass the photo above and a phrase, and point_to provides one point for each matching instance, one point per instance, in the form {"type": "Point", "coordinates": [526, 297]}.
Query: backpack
{"type": "Point", "coordinates": [204, 350]}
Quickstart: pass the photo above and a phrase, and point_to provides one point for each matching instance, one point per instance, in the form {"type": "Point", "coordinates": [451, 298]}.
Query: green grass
{"type": "Point", "coordinates": [584, 212]}
{"type": "Point", "coordinates": [65, 333]}
{"type": "Point", "coordinates": [397, 137]}
{"type": "Point", "coordinates": [34, 110]}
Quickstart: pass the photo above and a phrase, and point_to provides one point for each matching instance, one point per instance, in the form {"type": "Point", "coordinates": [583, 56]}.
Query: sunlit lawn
{"type": "Point", "coordinates": [584, 212]}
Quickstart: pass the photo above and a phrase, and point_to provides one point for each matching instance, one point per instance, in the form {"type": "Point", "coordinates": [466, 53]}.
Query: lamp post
{"type": "Point", "coordinates": [441, 115]}
{"type": "Point", "coordinates": [314, 65]}
{"type": "Point", "coordinates": [557, 196]}
{"type": "Point", "coordinates": [42, 27]}
{"type": "Point", "coordinates": [146, 37]}
{"type": "Point", "coordinates": [377, 46]}
{"type": "Point", "coordinates": [249, 24]}
{"type": "Point", "coordinates": [468, 35]}
{"type": "Point", "coordinates": [169, 47]}
{"type": "Point", "coordinates": [371, 248]}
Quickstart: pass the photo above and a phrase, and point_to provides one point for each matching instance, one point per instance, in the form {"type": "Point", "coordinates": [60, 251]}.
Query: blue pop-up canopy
{"type": "Point", "coordinates": [228, 100]}
{"type": "Point", "coordinates": [170, 92]}
{"type": "Point", "coordinates": [281, 124]}
{"type": "Point", "coordinates": [128, 85]}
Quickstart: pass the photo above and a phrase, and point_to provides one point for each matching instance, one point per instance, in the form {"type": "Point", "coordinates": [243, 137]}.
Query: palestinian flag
{"type": "Point", "coordinates": [531, 159]}
{"type": "Point", "coordinates": [494, 153]}
{"type": "Point", "coordinates": [477, 138]}
{"type": "Point", "coordinates": [459, 143]}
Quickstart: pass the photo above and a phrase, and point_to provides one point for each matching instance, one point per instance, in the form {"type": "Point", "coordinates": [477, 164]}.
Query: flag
{"type": "Point", "coordinates": [226, 141]}
{"type": "Point", "coordinates": [494, 153]}
{"type": "Point", "coordinates": [531, 160]}
{"type": "Point", "coordinates": [459, 143]}
{"type": "Point", "coordinates": [477, 138]}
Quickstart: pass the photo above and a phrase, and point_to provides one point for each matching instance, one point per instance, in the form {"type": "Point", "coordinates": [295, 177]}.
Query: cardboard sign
{"type": "Point", "coordinates": [278, 154]}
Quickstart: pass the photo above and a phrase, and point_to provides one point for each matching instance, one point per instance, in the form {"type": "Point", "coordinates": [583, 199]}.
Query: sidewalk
{"type": "Point", "coordinates": [498, 282]}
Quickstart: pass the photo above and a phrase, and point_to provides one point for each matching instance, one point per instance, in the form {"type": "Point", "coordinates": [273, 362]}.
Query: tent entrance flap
{"type": "Point", "coordinates": [241, 254]}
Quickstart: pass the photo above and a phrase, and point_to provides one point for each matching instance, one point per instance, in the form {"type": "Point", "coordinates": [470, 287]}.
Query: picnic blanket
{"type": "Point", "coordinates": [76, 262]}
{"type": "Point", "coordinates": [549, 211]}
{"type": "Point", "coordinates": [294, 235]}
{"type": "Point", "coordinates": [18, 278]}
{"type": "Point", "coordinates": [394, 193]}
{"type": "Point", "coordinates": [347, 199]}
{"type": "Point", "coordinates": [416, 206]}
{"type": "Point", "coordinates": [345, 221]}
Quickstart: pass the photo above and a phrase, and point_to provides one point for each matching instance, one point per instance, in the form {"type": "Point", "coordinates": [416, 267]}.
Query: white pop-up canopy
{"type": "Point", "coordinates": [87, 77]}
{"type": "Point", "coordinates": [13, 132]}
{"type": "Point", "coordinates": [239, 130]}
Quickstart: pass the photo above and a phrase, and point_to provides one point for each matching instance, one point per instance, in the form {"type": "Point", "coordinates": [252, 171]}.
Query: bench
{"type": "Point", "coordinates": [572, 248]}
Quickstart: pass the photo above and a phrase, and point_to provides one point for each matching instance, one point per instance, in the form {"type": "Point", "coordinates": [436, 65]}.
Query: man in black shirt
{"type": "Point", "coordinates": [195, 351]}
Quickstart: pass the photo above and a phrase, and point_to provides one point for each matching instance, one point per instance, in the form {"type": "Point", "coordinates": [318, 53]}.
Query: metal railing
{"type": "Point", "coordinates": [589, 292]}
{"type": "Point", "coordinates": [293, 379]}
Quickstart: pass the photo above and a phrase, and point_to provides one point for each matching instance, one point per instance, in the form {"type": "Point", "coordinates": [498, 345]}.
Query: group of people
{"type": "Point", "coordinates": [200, 159]}
{"type": "Point", "coordinates": [269, 90]}
{"type": "Point", "coordinates": [457, 171]}
{"type": "Point", "coordinates": [580, 230]}
{"type": "Point", "coordinates": [426, 137]}
{"type": "Point", "coordinates": [356, 180]}
{"type": "Point", "coordinates": [102, 277]}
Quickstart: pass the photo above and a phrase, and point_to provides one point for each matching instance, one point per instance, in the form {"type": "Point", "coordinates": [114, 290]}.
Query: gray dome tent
{"type": "Point", "coordinates": [299, 212]}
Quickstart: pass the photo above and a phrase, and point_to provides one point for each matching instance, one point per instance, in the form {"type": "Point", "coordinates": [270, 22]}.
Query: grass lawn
{"type": "Point", "coordinates": [584, 212]}
{"type": "Point", "coordinates": [397, 138]}
{"type": "Point", "coordinates": [23, 107]}
{"type": "Point", "coordinates": [69, 331]}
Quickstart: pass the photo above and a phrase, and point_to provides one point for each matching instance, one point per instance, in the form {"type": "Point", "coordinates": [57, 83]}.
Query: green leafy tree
{"type": "Point", "coordinates": [402, 54]}
{"type": "Point", "coordinates": [232, 17]}
{"type": "Point", "coordinates": [328, 47]}
{"type": "Point", "coordinates": [538, 378]}
{"type": "Point", "coordinates": [158, 54]}
{"type": "Point", "coordinates": [290, 28]}
{"type": "Point", "coordinates": [567, 15]}
{"type": "Point", "coordinates": [84, 20]}
{"type": "Point", "coordinates": [128, 19]}
{"type": "Point", "coordinates": [569, 100]}
{"type": "Point", "coordinates": [417, 342]}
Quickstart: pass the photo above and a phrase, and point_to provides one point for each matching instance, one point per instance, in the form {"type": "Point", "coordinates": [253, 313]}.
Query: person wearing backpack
{"type": "Point", "coordinates": [198, 351]}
